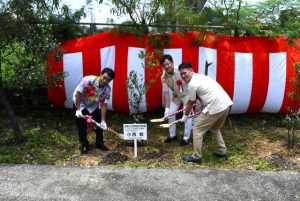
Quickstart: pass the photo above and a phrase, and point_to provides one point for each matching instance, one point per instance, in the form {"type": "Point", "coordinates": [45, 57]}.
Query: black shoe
{"type": "Point", "coordinates": [84, 150]}
{"type": "Point", "coordinates": [220, 154]}
{"type": "Point", "coordinates": [102, 147]}
{"type": "Point", "coordinates": [183, 142]}
{"type": "Point", "coordinates": [169, 139]}
{"type": "Point", "coordinates": [192, 159]}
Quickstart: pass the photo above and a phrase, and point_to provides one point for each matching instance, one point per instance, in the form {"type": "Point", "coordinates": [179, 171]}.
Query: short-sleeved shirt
{"type": "Point", "coordinates": [212, 96]}
{"type": "Point", "coordinates": [91, 93]}
{"type": "Point", "coordinates": [174, 82]}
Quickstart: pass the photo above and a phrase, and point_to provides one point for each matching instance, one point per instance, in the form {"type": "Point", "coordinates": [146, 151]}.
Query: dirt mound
{"type": "Point", "coordinates": [113, 157]}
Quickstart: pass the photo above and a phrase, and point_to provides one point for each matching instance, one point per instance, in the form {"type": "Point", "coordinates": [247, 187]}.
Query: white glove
{"type": "Point", "coordinates": [103, 125]}
{"type": "Point", "coordinates": [78, 114]}
{"type": "Point", "coordinates": [184, 118]}
{"type": "Point", "coordinates": [166, 111]}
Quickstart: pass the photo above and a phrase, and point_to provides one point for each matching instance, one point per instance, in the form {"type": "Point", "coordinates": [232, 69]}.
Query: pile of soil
{"type": "Point", "coordinates": [113, 157]}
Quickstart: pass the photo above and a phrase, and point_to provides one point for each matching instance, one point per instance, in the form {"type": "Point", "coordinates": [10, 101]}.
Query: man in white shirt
{"type": "Point", "coordinates": [173, 83]}
{"type": "Point", "coordinates": [216, 103]}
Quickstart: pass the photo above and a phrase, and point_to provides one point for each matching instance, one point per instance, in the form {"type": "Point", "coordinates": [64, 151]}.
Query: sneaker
{"type": "Point", "coordinates": [220, 154]}
{"type": "Point", "coordinates": [169, 139]}
{"type": "Point", "coordinates": [191, 159]}
{"type": "Point", "coordinates": [84, 150]}
{"type": "Point", "coordinates": [183, 142]}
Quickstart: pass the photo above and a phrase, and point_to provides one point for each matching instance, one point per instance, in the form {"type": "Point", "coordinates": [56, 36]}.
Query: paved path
{"type": "Point", "coordinates": [31, 182]}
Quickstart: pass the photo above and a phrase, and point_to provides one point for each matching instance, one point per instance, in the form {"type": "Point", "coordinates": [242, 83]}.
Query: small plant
{"type": "Point", "coordinates": [292, 119]}
{"type": "Point", "coordinates": [136, 90]}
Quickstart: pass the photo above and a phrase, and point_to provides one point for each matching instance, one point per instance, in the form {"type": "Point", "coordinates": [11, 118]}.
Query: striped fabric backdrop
{"type": "Point", "coordinates": [254, 71]}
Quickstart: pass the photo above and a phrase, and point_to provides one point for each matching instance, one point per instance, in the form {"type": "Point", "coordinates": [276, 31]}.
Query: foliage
{"type": "Point", "coordinates": [64, 23]}
{"type": "Point", "coordinates": [154, 15]}
{"type": "Point", "coordinates": [136, 91]}
{"type": "Point", "coordinates": [136, 88]}
{"type": "Point", "coordinates": [31, 29]}
{"type": "Point", "coordinates": [27, 35]}
{"type": "Point", "coordinates": [266, 18]}
{"type": "Point", "coordinates": [141, 13]}
{"type": "Point", "coordinates": [238, 18]}
{"type": "Point", "coordinates": [292, 119]}
{"type": "Point", "coordinates": [131, 27]}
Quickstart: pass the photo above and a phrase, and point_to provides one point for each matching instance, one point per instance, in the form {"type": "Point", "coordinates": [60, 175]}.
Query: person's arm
{"type": "Point", "coordinates": [103, 124]}
{"type": "Point", "coordinates": [188, 107]}
{"type": "Point", "coordinates": [78, 113]}
{"type": "Point", "coordinates": [167, 99]}
{"type": "Point", "coordinates": [166, 95]}
{"type": "Point", "coordinates": [103, 111]}
{"type": "Point", "coordinates": [77, 100]}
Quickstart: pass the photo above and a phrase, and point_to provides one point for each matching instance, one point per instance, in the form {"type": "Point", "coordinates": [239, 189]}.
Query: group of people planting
{"type": "Point", "coordinates": [181, 86]}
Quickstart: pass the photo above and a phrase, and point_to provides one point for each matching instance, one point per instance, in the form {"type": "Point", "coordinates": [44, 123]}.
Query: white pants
{"type": "Point", "coordinates": [187, 125]}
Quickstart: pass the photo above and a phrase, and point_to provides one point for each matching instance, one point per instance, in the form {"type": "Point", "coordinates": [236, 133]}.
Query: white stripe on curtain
{"type": "Point", "coordinates": [277, 80]}
{"type": "Point", "coordinates": [243, 77]}
{"type": "Point", "coordinates": [72, 64]}
{"type": "Point", "coordinates": [108, 60]}
{"type": "Point", "coordinates": [209, 55]}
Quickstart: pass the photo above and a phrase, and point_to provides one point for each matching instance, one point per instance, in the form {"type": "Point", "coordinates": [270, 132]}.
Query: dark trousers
{"type": "Point", "coordinates": [82, 128]}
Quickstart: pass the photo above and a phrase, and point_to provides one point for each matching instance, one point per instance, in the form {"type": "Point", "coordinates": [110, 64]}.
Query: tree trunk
{"type": "Point", "coordinates": [19, 137]}
{"type": "Point", "coordinates": [196, 5]}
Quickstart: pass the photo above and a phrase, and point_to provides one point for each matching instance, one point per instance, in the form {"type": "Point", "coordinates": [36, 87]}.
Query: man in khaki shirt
{"type": "Point", "coordinates": [216, 103]}
{"type": "Point", "coordinates": [173, 83]}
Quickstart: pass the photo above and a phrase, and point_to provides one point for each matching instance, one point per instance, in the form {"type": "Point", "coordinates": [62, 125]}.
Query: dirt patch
{"type": "Point", "coordinates": [151, 156]}
{"type": "Point", "coordinates": [267, 148]}
{"type": "Point", "coordinates": [113, 157]}
{"type": "Point", "coordinates": [278, 155]}
{"type": "Point", "coordinates": [89, 161]}
{"type": "Point", "coordinates": [281, 162]}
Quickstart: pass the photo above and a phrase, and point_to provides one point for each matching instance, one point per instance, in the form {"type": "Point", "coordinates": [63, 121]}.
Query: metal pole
{"type": "Point", "coordinates": [135, 148]}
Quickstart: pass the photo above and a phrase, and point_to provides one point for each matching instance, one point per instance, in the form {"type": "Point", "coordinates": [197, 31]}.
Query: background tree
{"type": "Point", "coordinates": [29, 30]}
{"type": "Point", "coordinates": [153, 15]}
{"type": "Point", "coordinates": [266, 18]}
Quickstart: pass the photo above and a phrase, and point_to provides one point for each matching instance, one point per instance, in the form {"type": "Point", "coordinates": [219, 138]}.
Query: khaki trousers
{"type": "Point", "coordinates": [212, 123]}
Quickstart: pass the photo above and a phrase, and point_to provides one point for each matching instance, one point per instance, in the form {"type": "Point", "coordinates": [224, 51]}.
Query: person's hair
{"type": "Point", "coordinates": [110, 72]}
{"type": "Point", "coordinates": [185, 65]}
{"type": "Point", "coordinates": [164, 57]}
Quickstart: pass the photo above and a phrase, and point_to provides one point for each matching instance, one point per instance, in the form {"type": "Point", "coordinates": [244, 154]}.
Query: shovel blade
{"type": "Point", "coordinates": [121, 136]}
{"type": "Point", "coordinates": [157, 120]}
{"type": "Point", "coordinates": [165, 125]}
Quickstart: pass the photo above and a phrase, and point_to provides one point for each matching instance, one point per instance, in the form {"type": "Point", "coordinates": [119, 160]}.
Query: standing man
{"type": "Point", "coordinates": [90, 98]}
{"type": "Point", "coordinates": [216, 103]}
{"type": "Point", "coordinates": [172, 80]}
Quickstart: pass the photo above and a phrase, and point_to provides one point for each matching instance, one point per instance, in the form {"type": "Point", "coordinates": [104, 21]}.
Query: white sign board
{"type": "Point", "coordinates": [135, 131]}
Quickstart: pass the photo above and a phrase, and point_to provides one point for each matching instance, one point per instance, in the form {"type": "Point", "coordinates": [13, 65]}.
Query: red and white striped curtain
{"type": "Point", "coordinates": [256, 72]}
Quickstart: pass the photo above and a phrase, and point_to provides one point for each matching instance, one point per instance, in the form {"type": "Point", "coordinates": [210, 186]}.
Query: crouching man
{"type": "Point", "coordinates": [216, 103]}
{"type": "Point", "coordinates": [90, 98]}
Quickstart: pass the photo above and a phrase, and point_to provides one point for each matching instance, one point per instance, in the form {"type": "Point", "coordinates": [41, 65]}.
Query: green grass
{"type": "Point", "coordinates": [51, 138]}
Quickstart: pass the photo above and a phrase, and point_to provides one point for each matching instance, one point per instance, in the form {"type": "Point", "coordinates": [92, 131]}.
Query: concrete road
{"type": "Point", "coordinates": [36, 182]}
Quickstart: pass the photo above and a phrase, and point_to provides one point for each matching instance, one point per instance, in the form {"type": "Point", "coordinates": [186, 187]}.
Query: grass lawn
{"type": "Point", "coordinates": [254, 141]}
